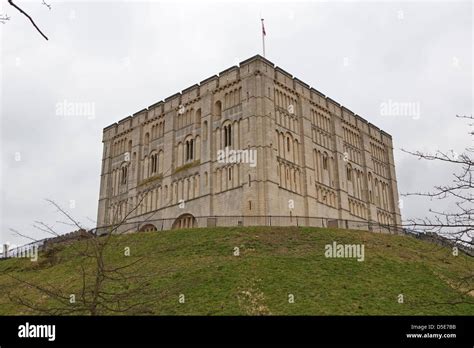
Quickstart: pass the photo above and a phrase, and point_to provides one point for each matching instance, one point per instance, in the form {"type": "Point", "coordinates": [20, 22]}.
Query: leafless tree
{"type": "Point", "coordinates": [456, 225]}
{"type": "Point", "coordinates": [131, 292]}
{"type": "Point", "coordinates": [105, 287]}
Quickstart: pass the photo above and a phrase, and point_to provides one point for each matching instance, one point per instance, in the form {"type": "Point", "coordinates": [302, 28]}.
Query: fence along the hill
{"type": "Point", "coordinates": [241, 220]}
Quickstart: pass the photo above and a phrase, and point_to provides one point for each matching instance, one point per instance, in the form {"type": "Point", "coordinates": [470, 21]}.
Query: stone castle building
{"type": "Point", "coordinates": [297, 153]}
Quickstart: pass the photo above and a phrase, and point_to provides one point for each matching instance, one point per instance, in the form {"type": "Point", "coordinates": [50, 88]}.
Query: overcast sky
{"type": "Point", "coordinates": [119, 57]}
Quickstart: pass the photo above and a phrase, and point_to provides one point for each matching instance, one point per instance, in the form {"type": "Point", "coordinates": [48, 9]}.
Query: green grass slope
{"type": "Point", "coordinates": [274, 262]}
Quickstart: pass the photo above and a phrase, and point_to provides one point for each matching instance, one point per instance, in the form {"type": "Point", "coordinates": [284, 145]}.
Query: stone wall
{"type": "Point", "coordinates": [314, 156]}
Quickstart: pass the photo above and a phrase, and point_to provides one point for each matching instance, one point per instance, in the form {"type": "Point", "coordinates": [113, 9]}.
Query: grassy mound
{"type": "Point", "coordinates": [197, 272]}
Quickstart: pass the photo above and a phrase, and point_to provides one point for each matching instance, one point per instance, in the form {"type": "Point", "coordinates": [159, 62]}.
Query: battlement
{"type": "Point", "coordinates": [245, 68]}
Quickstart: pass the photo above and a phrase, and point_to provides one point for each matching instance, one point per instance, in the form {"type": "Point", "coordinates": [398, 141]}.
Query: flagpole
{"type": "Point", "coordinates": [263, 37]}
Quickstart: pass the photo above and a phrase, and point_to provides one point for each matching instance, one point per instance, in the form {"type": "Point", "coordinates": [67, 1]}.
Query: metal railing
{"type": "Point", "coordinates": [189, 221]}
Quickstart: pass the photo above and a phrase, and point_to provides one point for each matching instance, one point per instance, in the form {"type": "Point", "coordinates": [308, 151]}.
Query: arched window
{"type": "Point", "coordinates": [123, 175]}
{"type": "Point", "coordinates": [296, 152]}
{"type": "Point", "coordinates": [218, 109]}
{"type": "Point", "coordinates": [204, 131]}
{"type": "Point", "coordinates": [189, 149]}
{"type": "Point", "coordinates": [153, 164]}
{"type": "Point", "coordinates": [371, 199]}
{"type": "Point", "coordinates": [147, 139]}
{"type": "Point", "coordinates": [325, 161]}
{"type": "Point", "coordinates": [377, 192]}
{"type": "Point", "coordinates": [349, 173]}
{"type": "Point", "coordinates": [227, 135]}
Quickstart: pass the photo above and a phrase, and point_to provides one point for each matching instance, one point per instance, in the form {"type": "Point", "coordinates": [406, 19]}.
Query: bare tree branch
{"type": "Point", "coordinates": [27, 16]}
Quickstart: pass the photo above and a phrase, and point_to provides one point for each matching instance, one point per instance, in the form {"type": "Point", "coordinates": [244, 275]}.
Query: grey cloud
{"type": "Point", "coordinates": [124, 56]}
